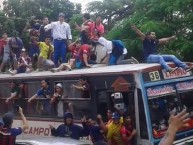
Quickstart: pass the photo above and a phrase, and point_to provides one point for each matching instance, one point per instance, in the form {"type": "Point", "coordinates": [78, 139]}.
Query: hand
{"type": "Point", "coordinates": [51, 126]}
{"type": "Point", "coordinates": [99, 117]}
{"type": "Point", "coordinates": [178, 121]}
{"type": "Point", "coordinates": [20, 110]}
{"type": "Point", "coordinates": [174, 37]}
{"type": "Point", "coordinates": [29, 100]}
{"type": "Point", "coordinates": [83, 119]}
{"type": "Point", "coordinates": [7, 100]}
{"type": "Point", "coordinates": [134, 132]}
{"type": "Point", "coordinates": [72, 86]}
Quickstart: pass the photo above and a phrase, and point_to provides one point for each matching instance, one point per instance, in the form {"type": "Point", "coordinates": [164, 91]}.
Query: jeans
{"type": "Point", "coordinates": [59, 51]}
{"type": "Point", "coordinates": [162, 59]}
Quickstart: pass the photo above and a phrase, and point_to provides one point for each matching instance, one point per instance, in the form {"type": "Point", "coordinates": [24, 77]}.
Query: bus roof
{"type": "Point", "coordinates": [96, 70]}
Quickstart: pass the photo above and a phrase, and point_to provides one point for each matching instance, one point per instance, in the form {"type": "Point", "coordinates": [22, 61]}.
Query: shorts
{"type": "Point", "coordinates": [21, 70]}
{"type": "Point", "coordinates": [6, 57]}
{"type": "Point", "coordinates": [48, 63]}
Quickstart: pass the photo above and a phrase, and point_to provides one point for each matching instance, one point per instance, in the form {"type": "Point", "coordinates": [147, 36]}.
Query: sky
{"type": "Point", "coordinates": [83, 2]}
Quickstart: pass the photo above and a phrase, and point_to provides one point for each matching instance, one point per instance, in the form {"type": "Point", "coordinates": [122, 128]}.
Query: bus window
{"type": "Point", "coordinates": [160, 109]}
{"type": "Point", "coordinates": [142, 119]}
{"type": "Point", "coordinates": [4, 93]}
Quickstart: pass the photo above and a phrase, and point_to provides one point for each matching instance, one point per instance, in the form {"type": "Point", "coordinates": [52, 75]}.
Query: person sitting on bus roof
{"type": "Point", "coordinates": [83, 59]}
{"type": "Point", "coordinates": [45, 56]}
{"type": "Point", "coordinates": [15, 92]}
{"type": "Point", "coordinates": [84, 87]}
{"type": "Point", "coordinates": [57, 98]}
{"type": "Point", "coordinates": [115, 52]}
{"type": "Point", "coordinates": [69, 129]}
{"type": "Point", "coordinates": [150, 47]}
{"type": "Point", "coordinates": [127, 131]}
{"type": "Point", "coordinates": [23, 63]}
{"type": "Point", "coordinates": [73, 48]}
{"type": "Point", "coordinates": [176, 122]}
{"type": "Point", "coordinates": [44, 93]}
{"type": "Point", "coordinates": [7, 133]}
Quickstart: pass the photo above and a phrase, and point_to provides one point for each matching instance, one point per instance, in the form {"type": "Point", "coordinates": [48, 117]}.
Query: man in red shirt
{"type": "Point", "coordinates": [127, 131]}
{"type": "Point", "coordinates": [97, 29]}
{"type": "Point", "coordinates": [83, 59]}
{"type": "Point", "coordinates": [3, 42]}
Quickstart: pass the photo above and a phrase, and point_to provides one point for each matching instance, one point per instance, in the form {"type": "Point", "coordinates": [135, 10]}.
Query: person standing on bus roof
{"type": "Point", "coordinates": [176, 122]}
{"type": "Point", "coordinates": [7, 133]}
{"type": "Point", "coordinates": [69, 129]}
{"type": "Point", "coordinates": [115, 52]}
{"type": "Point", "coordinates": [150, 47]}
{"type": "Point", "coordinates": [44, 93]}
{"type": "Point", "coordinates": [61, 33]}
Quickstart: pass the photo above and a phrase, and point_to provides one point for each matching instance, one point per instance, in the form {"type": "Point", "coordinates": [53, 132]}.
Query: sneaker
{"type": "Point", "coordinates": [189, 68]}
{"type": "Point", "coordinates": [12, 72]}
{"type": "Point", "coordinates": [171, 70]}
{"type": "Point", "coordinates": [134, 60]}
{"type": "Point", "coordinates": [53, 70]}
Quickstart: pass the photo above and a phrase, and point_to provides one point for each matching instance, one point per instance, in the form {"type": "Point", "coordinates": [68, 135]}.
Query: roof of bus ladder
{"type": "Point", "coordinates": [99, 70]}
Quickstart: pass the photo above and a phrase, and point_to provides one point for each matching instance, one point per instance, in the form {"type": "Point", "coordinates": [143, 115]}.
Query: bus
{"type": "Point", "coordinates": [150, 94]}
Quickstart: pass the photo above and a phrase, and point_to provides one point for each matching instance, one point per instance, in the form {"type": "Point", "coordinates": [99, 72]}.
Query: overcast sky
{"type": "Point", "coordinates": [83, 2]}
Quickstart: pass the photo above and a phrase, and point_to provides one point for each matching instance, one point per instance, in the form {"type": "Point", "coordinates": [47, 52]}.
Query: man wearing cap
{"type": "Point", "coordinates": [57, 98]}
{"type": "Point", "coordinates": [68, 129]}
{"type": "Point", "coordinates": [61, 33]}
{"type": "Point", "coordinates": [113, 134]}
{"type": "Point", "coordinates": [115, 52]}
{"type": "Point", "coordinates": [7, 133]}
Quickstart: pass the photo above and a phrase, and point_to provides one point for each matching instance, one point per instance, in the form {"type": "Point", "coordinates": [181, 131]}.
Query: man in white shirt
{"type": "Point", "coordinates": [61, 33]}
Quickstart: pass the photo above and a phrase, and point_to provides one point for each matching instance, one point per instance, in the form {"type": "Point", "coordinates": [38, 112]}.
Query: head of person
{"type": "Point", "coordinates": [116, 117]}
{"type": "Point", "coordinates": [83, 80]}
{"type": "Point", "coordinates": [109, 114]}
{"type": "Point", "coordinates": [151, 35]}
{"type": "Point", "coordinates": [7, 119]}
{"type": "Point", "coordinates": [23, 52]}
{"type": "Point", "coordinates": [44, 84]}
{"type": "Point", "coordinates": [13, 84]}
{"type": "Point", "coordinates": [92, 45]}
{"type": "Point", "coordinates": [61, 17]}
{"type": "Point", "coordinates": [98, 19]}
{"type": "Point", "coordinates": [4, 35]}
{"type": "Point", "coordinates": [127, 118]}
{"type": "Point", "coordinates": [21, 84]}
{"type": "Point", "coordinates": [68, 118]}
{"type": "Point", "coordinates": [59, 88]}
{"type": "Point", "coordinates": [90, 121]}
{"type": "Point", "coordinates": [47, 39]}
{"type": "Point", "coordinates": [86, 16]}
{"type": "Point", "coordinates": [45, 20]}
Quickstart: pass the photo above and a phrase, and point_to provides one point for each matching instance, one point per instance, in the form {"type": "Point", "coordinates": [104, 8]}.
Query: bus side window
{"type": "Point", "coordinates": [142, 118]}
{"type": "Point", "coordinates": [4, 93]}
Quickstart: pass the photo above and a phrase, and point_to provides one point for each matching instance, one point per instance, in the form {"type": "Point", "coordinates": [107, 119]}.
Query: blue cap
{"type": "Point", "coordinates": [68, 115]}
{"type": "Point", "coordinates": [7, 119]}
{"type": "Point", "coordinates": [116, 115]}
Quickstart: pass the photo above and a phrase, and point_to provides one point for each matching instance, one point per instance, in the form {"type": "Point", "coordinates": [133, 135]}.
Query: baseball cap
{"type": "Point", "coordinates": [23, 50]}
{"type": "Point", "coordinates": [7, 119]}
{"type": "Point", "coordinates": [116, 115]}
{"type": "Point", "coordinates": [59, 85]}
{"type": "Point", "coordinates": [61, 15]}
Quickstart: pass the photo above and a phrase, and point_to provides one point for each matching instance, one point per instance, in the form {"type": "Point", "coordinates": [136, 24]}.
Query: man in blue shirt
{"type": "Point", "coordinates": [68, 129]}
{"type": "Point", "coordinates": [150, 47]}
{"type": "Point", "coordinates": [45, 94]}
{"type": "Point", "coordinates": [7, 133]}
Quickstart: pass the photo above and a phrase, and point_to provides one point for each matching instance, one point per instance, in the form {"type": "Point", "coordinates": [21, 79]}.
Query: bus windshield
{"type": "Point", "coordinates": [164, 101]}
